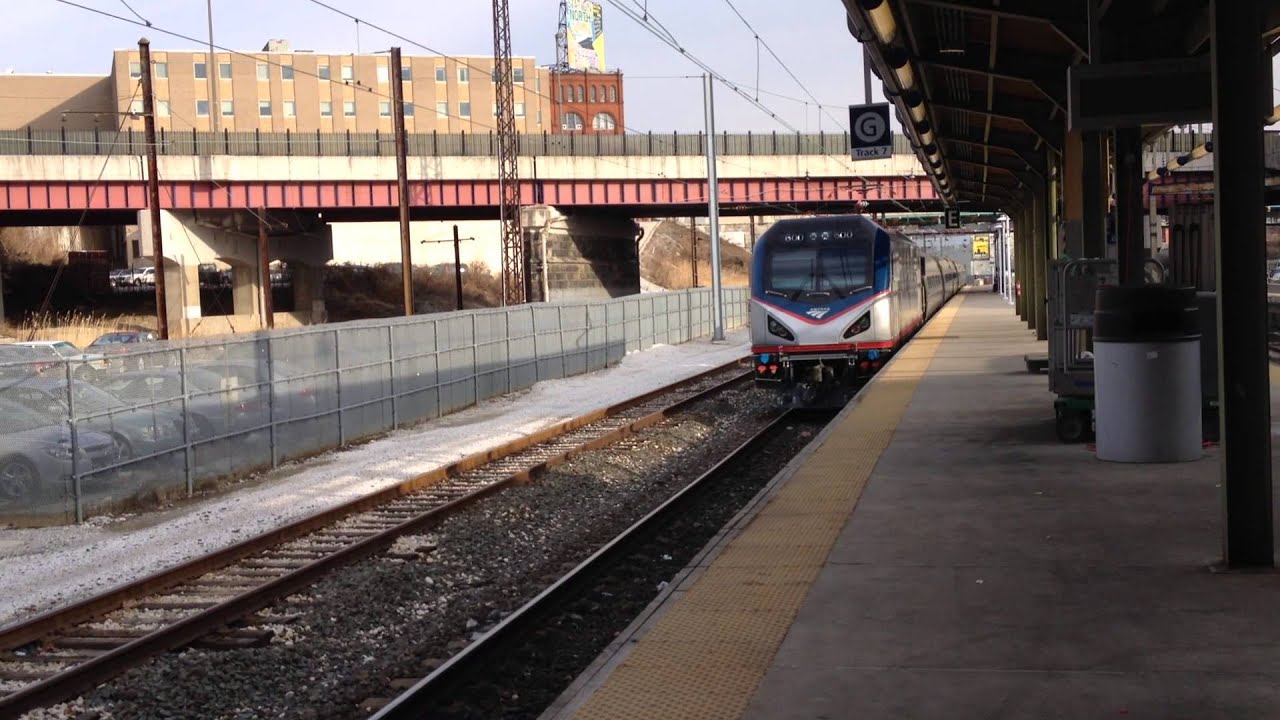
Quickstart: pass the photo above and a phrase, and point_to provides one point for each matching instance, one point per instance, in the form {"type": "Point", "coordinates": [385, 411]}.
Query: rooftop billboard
{"type": "Point", "coordinates": [586, 35]}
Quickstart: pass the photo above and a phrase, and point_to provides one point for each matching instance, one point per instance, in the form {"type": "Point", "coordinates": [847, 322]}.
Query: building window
{"type": "Point", "coordinates": [440, 74]}
{"type": "Point", "coordinates": [264, 108]}
{"type": "Point", "coordinates": [290, 108]}
{"type": "Point", "coordinates": [582, 96]}
{"type": "Point", "coordinates": [384, 109]}
{"type": "Point", "coordinates": [384, 74]}
{"type": "Point", "coordinates": [539, 117]}
{"type": "Point", "coordinates": [571, 121]}
{"type": "Point", "coordinates": [520, 110]}
{"type": "Point", "coordinates": [464, 109]}
{"type": "Point", "coordinates": [349, 108]}
{"type": "Point", "coordinates": [135, 107]}
{"type": "Point", "coordinates": [495, 109]}
{"type": "Point", "coordinates": [464, 74]}
{"type": "Point", "coordinates": [493, 76]}
{"type": "Point", "coordinates": [406, 74]}
{"type": "Point", "coordinates": [613, 93]}
{"type": "Point", "coordinates": [202, 108]}
{"type": "Point", "coordinates": [228, 107]}
{"type": "Point", "coordinates": [326, 108]}
{"type": "Point", "coordinates": [593, 93]}
{"type": "Point", "coordinates": [135, 69]}
{"type": "Point", "coordinates": [224, 70]}
{"type": "Point", "coordinates": [264, 72]}
{"type": "Point", "coordinates": [347, 73]}
{"type": "Point", "coordinates": [442, 109]}
{"type": "Point", "coordinates": [162, 108]}
{"type": "Point", "coordinates": [604, 121]}
{"type": "Point", "coordinates": [323, 72]}
{"type": "Point", "coordinates": [537, 83]}
{"type": "Point", "coordinates": [517, 75]}
{"type": "Point", "coordinates": [162, 70]}
{"type": "Point", "coordinates": [202, 71]}
{"type": "Point", "coordinates": [408, 109]}
{"type": "Point", "coordinates": [561, 93]}
{"type": "Point", "coordinates": [286, 72]}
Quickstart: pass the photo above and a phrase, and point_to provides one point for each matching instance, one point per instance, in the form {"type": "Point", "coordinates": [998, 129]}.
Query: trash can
{"type": "Point", "coordinates": [1147, 387]}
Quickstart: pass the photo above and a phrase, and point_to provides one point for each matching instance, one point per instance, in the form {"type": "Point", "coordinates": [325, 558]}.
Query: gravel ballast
{"type": "Point", "coordinates": [401, 615]}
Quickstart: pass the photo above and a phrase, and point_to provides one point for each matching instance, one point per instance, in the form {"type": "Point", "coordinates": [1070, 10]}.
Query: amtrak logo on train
{"type": "Point", "coordinates": [817, 313]}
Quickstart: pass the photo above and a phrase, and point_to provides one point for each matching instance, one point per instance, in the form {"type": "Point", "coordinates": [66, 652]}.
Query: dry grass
{"type": "Point", "coordinates": [354, 292]}
{"type": "Point", "coordinates": [77, 328]}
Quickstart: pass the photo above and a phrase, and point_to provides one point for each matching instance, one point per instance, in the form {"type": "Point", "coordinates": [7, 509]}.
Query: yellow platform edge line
{"type": "Point", "coordinates": [706, 655]}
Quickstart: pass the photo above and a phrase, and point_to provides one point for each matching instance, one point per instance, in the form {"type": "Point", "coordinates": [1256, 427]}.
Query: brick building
{"type": "Point", "coordinates": [588, 102]}
{"type": "Point", "coordinates": [280, 89]}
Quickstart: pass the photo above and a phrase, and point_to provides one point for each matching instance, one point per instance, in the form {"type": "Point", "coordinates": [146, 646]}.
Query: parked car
{"type": "Point", "coordinates": [35, 454]}
{"type": "Point", "coordinates": [83, 364]}
{"type": "Point", "coordinates": [121, 277]}
{"type": "Point", "coordinates": [136, 431]}
{"type": "Point", "coordinates": [123, 343]}
{"type": "Point", "coordinates": [143, 276]}
{"type": "Point", "coordinates": [213, 412]}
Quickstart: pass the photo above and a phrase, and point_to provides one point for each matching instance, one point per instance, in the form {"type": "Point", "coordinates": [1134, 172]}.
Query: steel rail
{"type": "Point", "coordinates": [84, 676]}
{"type": "Point", "coordinates": [413, 702]}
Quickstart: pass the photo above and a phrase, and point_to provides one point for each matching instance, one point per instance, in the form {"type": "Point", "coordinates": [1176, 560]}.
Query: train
{"type": "Point", "coordinates": [834, 297]}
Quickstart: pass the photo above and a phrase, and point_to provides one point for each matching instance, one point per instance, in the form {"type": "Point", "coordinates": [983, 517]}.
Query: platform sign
{"type": "Point", "coordinates": [870, 136]}
{"type": "Point", "coordinates": [952, 216]}
{"type": "Point", "coordinates": [981, 247]}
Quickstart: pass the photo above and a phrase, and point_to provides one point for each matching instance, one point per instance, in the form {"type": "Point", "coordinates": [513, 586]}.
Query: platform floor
{"type": "Point", "coordinates": [937, 553]}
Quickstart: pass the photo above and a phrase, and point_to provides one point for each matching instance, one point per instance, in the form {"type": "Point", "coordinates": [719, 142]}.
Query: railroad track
{"type": "Point", "coordinates": [56, 656]}
{"type": "Point", "coordinates": [505, 652]}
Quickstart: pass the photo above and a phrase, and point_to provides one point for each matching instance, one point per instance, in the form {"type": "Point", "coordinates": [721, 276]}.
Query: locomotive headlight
{"type": "Point", "coordinates": [859, 326]}
{"type": "Point", "coordinates": [777, 328]}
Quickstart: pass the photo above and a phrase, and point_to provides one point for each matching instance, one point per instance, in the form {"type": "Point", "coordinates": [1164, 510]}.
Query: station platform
{"type": "Point", "coordinates": [938, 553]}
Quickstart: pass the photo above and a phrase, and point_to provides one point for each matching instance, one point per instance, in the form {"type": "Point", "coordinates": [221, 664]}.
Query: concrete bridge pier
{"type": "Point", "coordinates": [582, 256]}
{"type": "Point", "coordinates": [192, 238]}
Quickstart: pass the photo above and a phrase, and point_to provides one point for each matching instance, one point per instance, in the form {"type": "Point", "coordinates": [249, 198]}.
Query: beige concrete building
{"type": "Point", "coordinates": [280, 89]}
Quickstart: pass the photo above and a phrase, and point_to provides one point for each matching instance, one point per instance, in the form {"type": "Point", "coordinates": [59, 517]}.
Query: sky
{"type": "Point", "coordinates": [810, 36]}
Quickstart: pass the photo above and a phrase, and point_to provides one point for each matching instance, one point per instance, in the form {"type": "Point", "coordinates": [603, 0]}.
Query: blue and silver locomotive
{"type": "Point", "coordinates": [832, 298]}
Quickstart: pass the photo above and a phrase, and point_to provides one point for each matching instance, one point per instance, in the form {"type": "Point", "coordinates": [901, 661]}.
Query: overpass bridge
{"type": "Point", "coordinates": [219, 191]}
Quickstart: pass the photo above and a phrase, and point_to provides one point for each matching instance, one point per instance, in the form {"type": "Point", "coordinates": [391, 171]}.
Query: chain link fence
{"type": "Point", "coordinates": [93, 434]}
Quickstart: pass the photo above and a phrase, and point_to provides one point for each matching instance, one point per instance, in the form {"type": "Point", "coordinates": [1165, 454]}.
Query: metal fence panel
{"type": "Point", "coordinates": [364, 381]}
{"type": "Point", "coordinates": [166, 419]}
{"type": "Point", "coordinates": [522, 348]}
{"type": "Point", "coordinates": [416, 372]}
{"type": "Point", "coordinates": [549, 342]}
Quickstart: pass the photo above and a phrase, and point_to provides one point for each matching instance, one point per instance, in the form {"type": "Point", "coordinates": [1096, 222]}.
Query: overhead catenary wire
{"type": "Point", "coordinates": [762, 42]}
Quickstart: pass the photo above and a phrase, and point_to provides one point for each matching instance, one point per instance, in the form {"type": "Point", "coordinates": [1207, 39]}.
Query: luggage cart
{"type": "Point", "coordinates": [1072, 296]}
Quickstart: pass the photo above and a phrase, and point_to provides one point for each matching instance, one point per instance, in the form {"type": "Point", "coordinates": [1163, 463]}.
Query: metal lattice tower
{"type": "Point", "coordinates": [562, 38]}
{"type": "Point", "coordinates": [513, 290]}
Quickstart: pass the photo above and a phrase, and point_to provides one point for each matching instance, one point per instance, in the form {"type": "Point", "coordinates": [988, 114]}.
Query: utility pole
{"type": "Point", "coordinates": [457, 264]}
{"type": "Point", "coordinates": [713, 210]}
{"type": "Point", "coordinates": [513, 289]}
{"type": "Point", "coordinates": [153, 187]}
{"type": "Point", "coordinates": [211, 72]}
{"type": "Point", "coordinates": [264, 271]}
{"type": "Point", "coordinates": [693, 247]}
{"type": "Point", "coordinates": [402, 179]}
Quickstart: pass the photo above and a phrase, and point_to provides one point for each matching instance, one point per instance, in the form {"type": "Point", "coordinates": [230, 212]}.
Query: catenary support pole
{"type": "Point", "coordinates": [211, 72]}
{"type": "Point", "coordinates": [153, 188]}
{"type": "Point", "coordinates": [402, 179]}
{"type": "Point", "coordinates": [457, 265]}
{"type": "Point", "coordinates": [713, 212]}
{"type": "Point", "coordinates": [264, 271]}
{"type": "Point", "coordinates": [1239, 77]}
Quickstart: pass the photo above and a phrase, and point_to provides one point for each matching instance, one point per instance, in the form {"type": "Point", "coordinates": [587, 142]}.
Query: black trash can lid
{"type": "Point", "coordinates": [1146, 313]}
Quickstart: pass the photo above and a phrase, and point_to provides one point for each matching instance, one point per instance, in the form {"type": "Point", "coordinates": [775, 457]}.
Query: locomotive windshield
{"type": "Point", "coordinates": [818, 263]}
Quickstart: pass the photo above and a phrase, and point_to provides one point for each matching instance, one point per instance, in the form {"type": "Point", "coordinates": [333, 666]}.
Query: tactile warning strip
{"type": "Point", "coordinates": [705, 656]}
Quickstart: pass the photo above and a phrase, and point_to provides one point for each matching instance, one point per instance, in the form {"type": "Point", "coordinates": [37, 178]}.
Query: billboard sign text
{"type": "Point", "coordinates": [586, 35]}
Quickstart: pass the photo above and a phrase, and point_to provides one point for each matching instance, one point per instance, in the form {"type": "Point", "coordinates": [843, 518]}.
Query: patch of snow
{"type": "Point", "coordinates": [48, 567]}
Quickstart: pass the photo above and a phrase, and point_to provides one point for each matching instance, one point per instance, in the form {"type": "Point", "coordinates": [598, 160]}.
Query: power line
{"type": "Point", "coordinates": [765, 43]}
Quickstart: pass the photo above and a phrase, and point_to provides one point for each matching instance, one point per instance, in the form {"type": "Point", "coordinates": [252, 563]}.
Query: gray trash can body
{"type": "Point", "coordinates": [1147, 390]}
